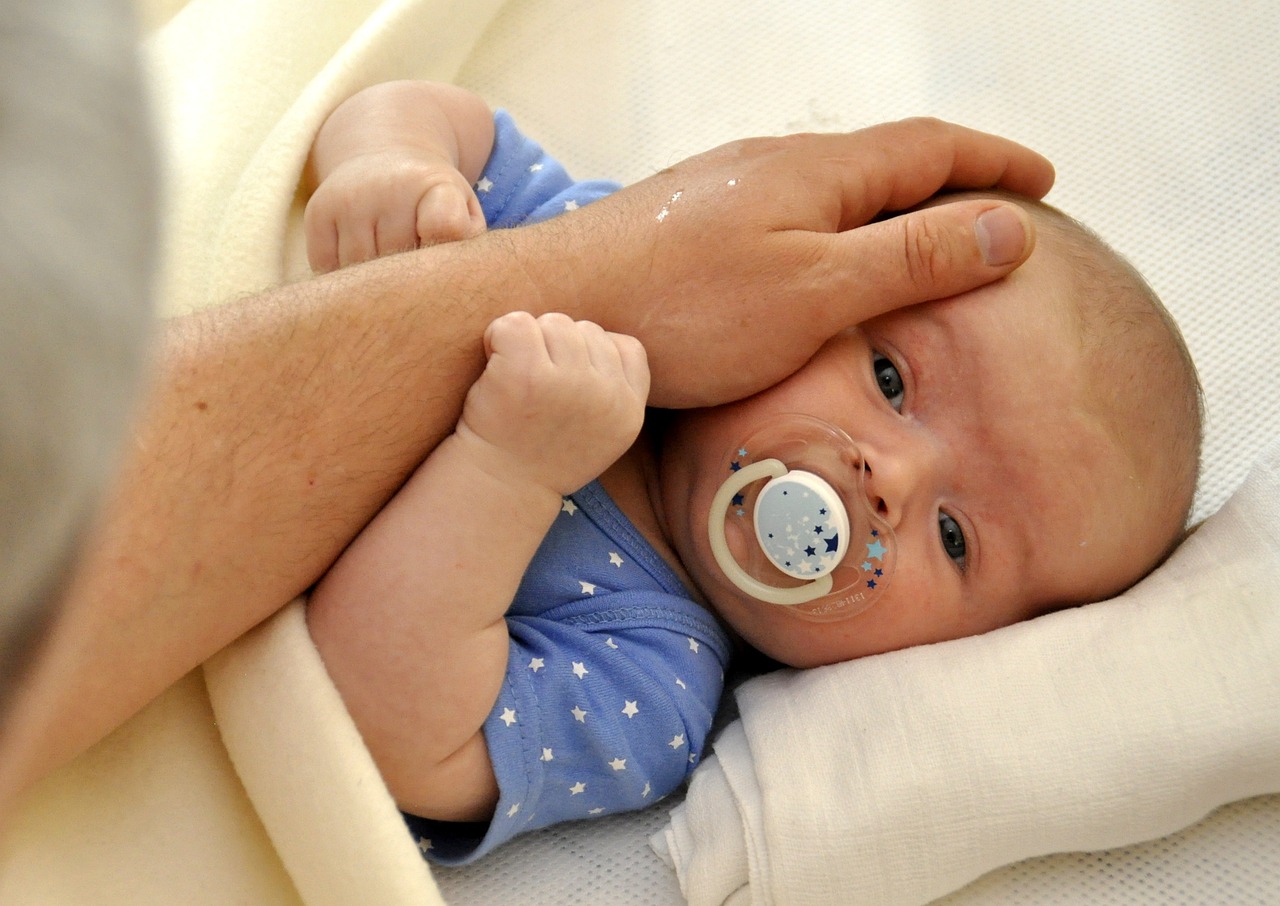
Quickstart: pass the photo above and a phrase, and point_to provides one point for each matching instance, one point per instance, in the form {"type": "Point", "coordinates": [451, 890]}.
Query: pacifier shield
{"type": "Point", "coordinates": [801, 525]}
{"type": "Point", "coordinates": [792, 525]}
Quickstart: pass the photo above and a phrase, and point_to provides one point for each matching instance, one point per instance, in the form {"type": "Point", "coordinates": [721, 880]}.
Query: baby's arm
{"type": "Point", "coordinates": [392, 168]}
{"type": "Point", "coordinates": [410, 619]}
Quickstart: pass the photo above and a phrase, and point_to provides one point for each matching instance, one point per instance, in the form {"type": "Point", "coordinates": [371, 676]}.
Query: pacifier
{"type": "Point", "coordinates": [792, 525]}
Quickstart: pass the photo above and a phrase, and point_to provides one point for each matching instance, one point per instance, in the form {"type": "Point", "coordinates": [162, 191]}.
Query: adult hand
{"type": "Point", "coordinates": [734, 266]}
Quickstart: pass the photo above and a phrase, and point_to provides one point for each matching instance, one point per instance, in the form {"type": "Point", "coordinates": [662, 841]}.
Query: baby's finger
{"type": "Point", "coordinates": [322, 238]}
{"type": "Point", "coordinates": [515, 335]}
{"type": "Point", "coordinates": [601, 350]}
{"type": "Point", "coordinates": [396, 231]}
{"type": "Point", "coordinates": [476, 212]}
{"type": "Point", "coordinates": [443, 216]}
{"type": "Point", "coordinates": [356, 243]}
{"type": "Point", "coordinates": [634, 361]}
{"type": "Point", "coordinates": [322, 247]}
{"type": "Point", "coordinates": [566, 343]}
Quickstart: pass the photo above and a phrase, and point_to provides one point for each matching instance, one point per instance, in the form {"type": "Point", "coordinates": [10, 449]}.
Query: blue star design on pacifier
{"type": "Point", "coordinates": [791, 507]}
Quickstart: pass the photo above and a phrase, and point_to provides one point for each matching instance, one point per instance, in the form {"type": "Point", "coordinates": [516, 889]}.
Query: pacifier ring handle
{"type": "Point", "coordinates": [771, 594]}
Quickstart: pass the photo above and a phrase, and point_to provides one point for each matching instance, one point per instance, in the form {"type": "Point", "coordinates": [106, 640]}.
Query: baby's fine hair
{"type": "Point", "coordinates": [1143, 380]}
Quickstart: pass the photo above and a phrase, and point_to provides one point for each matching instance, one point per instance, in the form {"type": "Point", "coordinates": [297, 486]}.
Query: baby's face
{"type": "Point", "coordinates": [1006, 492]}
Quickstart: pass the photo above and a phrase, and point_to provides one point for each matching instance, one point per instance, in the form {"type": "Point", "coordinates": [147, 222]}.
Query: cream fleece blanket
{"type": "Point", "coordinates": [246, 783]}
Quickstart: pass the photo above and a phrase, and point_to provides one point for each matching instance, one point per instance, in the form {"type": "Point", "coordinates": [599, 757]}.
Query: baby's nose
{"type": "Point", "coordinates": [888, 481]}
{"type": "Point", "coordinates": [878, 503]}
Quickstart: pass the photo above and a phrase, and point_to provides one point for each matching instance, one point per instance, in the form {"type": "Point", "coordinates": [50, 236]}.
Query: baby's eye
{"type": "Point", "coordinates": [888, 380]}
{"type": "Point", "coordinates": [952, 539]}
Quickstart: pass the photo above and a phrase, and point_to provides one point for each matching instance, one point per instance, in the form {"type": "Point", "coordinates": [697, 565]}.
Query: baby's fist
{"type": "Point", "coordinates": [561, 399]}
{"type": "Point", "coordinates": [386, 202]}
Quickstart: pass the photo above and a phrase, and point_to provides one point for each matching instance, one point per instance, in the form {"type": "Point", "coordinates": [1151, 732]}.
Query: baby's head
{"type": "Point", "coordinates": [1034, 444]}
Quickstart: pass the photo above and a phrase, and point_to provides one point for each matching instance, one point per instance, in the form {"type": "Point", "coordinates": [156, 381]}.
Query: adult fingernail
{"type": "Point", "coordinates": [1001, 235]}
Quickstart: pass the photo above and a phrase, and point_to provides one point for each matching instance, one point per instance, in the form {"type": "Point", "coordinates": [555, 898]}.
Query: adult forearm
{"type": "Point", "coordinates": [275, 427]}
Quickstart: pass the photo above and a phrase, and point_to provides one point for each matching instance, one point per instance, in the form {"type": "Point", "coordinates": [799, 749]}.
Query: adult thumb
{"type": "Point", "coordinates": [931, 253]}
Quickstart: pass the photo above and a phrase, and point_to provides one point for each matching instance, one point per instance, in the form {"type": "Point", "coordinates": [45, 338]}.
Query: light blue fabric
{"type": "Point", "coordinates": [522, 184]}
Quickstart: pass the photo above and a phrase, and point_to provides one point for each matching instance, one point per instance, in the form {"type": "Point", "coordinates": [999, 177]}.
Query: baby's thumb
{"type": "Point", "coordinates": [635, 363]}
{"type": "Point", "coordinates": [444, 216]}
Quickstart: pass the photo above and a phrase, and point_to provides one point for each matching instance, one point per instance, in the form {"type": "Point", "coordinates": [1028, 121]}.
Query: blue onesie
{"type": "Point", "coordinates": [614, 672]}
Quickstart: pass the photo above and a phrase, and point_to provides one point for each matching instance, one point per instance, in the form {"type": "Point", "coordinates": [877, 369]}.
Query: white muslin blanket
{"type": "Point", "coordinates": [898, 778]}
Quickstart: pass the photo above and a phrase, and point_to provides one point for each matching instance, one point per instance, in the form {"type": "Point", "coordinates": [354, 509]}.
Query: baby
{"type": "Point", "coordinates": [536, 627]}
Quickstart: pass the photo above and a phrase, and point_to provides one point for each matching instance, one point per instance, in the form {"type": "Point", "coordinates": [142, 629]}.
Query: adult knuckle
{"type": "Point", "coordinates": [924, 122]}
{"type": "Point", "coordinates": [925, 250]}
{"type": "Point", "coordinates": [919, 129]}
